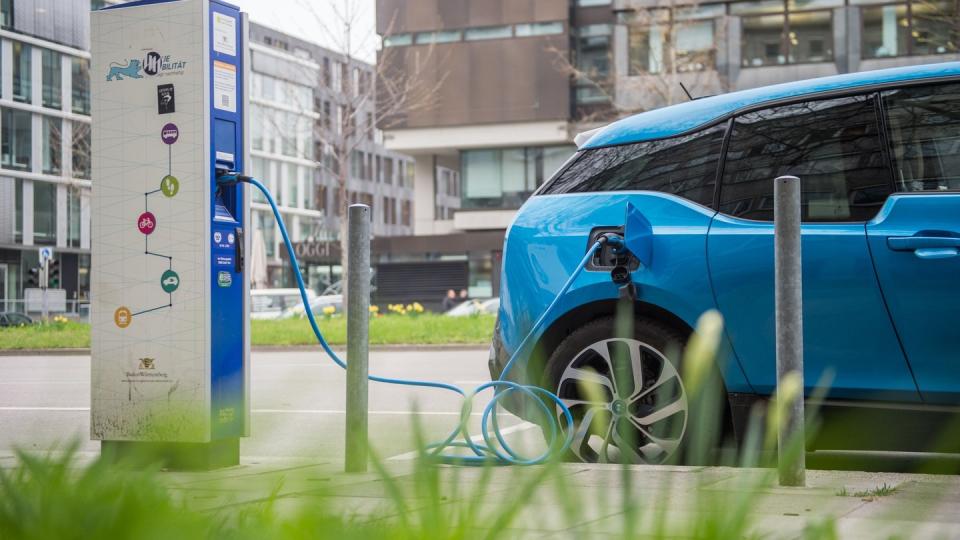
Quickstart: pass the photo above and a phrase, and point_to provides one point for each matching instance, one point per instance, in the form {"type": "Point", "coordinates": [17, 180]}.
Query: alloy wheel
{"type": "Point", "coordinates": [627, 400]}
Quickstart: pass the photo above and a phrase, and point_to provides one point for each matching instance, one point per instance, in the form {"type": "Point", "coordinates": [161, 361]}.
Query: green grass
{"type": "Point", "coordinates": [423, 329]}
{"type": "Point", "coordinates": [61, 335]}
{"type": "Point", "coordinates": [879, 491]}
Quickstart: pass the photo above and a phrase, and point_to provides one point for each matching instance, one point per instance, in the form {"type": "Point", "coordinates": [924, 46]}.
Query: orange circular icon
{"type": "Point", "coordinates": [122, 317]}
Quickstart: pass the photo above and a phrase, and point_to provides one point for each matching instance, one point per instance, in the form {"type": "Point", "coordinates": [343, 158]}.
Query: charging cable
{"type": "Point", "coordinates": [558, 438]}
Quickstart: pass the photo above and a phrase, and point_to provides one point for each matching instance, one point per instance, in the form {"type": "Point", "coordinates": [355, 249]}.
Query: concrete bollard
{"type": "Point", "coordinates": [358, 339]}
{"type": "Point", "coordinates": [789, 327]}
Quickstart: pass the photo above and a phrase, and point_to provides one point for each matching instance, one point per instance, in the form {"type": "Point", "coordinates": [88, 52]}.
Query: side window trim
{"type": "Point", "coordinates": [721, 164]}
{"type": "Point", "coordinates": [886, 141]}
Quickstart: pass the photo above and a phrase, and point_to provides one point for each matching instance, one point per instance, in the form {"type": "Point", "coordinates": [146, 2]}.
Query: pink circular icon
{"type": "Point", "coordinates": [170, 133]}
{"type": "Point", "coordinates": [146, 222]}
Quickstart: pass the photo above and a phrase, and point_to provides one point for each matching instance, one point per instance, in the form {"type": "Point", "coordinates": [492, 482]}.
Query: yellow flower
{"type": "Point", "coordinates": [329, 310]}
{"type": "Point", "coordinates": [374, 309]}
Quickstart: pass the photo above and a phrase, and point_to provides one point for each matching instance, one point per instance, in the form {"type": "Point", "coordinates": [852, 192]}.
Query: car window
{"type": "Point", "coordinates": [924, 124]}
{"type": "Point", "coordinates": [685, 166]}
{"type": "Point", "coordinates": [832, 145]}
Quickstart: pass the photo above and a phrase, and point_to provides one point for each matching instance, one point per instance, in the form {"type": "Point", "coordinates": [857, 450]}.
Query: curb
{"type": "Point", "coordinates": [269, 348]}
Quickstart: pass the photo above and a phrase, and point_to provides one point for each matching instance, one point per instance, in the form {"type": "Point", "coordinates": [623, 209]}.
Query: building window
{"type": "Point", "coordinates": [440, 36]}
{"type": "Point", "coordinates": [538, 29]}
{"type": "Point", "coordinates": [488, 32]}
{"type": "Point", "coordinates": [52, 79]}
{"type": "Point", "coordinates": [292, 189]}
{"type": "Point", "coordinates": [81, 150]}
{"type": "Point", "coordinates": [21, 72]}
{"type": "Point", "coordinates": [16, 134]}
{"type": "Point", "coordinates": [80, 81]}
{"type": "Point", "coordinates": [388, 170]}
{"type": "Point", "coordinates": [44, 213]}
{"type": "Point", "coordinates": [326, 72]}
{"type": "Point", "coordinates": [504, 178]}
{"type": "Point", "coordinates": [406, 212]}
{"type": "Point", "coordinates": [658, 35]}
{"type": "Point", "coordinates": [926, 27]}
{"type": "Point", "coordinates": [52, 136]}
{"type": "Point", "coordinates": [777, 32]}
{"type": "Point", "coordinates": [6, 13]}
{"type": "Point", "coordinates": [398, 40]}
{"type": "Point", "coordinates": [592, 55]}
{"type": "Point", "coordinates": [258, 168]}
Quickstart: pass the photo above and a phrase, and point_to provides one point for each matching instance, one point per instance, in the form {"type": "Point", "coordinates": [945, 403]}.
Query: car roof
{"type": "Point", "coordinates": [690, 115]}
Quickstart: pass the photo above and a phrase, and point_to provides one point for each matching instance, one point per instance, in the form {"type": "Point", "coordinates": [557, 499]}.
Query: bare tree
{"type": "Point", "coordinates": [665, 47]}
{"type": "Point", "coordinates": [365, 98]}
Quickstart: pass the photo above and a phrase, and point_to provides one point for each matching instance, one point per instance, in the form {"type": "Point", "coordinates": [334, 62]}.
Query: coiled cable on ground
{"type": "Point", "coordinates": [559, 436]}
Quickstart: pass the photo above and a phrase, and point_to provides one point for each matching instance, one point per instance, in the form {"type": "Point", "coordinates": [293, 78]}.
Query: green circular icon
{"type": "Point", "coordinates": [169, 281]}
{"type": "Point", "coordinates": [169, 185]}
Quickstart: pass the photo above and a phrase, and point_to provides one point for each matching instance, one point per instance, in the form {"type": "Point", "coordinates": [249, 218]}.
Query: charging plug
{"type": "Point", "coordinates": [230, 178]}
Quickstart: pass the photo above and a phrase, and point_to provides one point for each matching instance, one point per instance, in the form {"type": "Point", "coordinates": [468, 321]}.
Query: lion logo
{"type": "Point", "coordinates": [118, 71]}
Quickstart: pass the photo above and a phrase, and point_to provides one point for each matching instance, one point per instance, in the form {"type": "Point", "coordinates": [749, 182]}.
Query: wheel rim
{"type": "Point", "coordinates": [627, 400]}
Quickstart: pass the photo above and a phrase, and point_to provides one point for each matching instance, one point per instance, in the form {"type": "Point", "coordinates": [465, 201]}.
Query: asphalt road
{"type": "Point", "coordinates": [297, 400]}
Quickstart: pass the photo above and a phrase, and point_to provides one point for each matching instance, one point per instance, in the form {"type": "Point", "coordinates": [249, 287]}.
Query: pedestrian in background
{"type": "Point", "coordinates": [464, 295]}
{"type": "Point", "coordinates": [449, 301]}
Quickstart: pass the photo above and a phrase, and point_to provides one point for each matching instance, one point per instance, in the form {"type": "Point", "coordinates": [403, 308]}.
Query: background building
{"type": "Point", "coordinates": [296, 94]}
{"type": "Point", "coordinates": [44, 143]}
{"type": "Point", "coordinates": [522, 77]}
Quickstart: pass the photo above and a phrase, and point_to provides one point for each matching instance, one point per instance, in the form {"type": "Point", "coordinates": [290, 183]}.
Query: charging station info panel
{"type": "Point", "coordinates": [169, 342]}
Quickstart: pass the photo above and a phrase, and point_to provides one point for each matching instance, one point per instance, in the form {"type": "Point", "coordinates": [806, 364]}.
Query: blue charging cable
{"type": "Point", "coordinates": [488, 452]}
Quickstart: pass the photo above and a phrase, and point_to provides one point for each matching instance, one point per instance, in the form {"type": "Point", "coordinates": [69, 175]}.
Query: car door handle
{"type": "Point", "coordinates": [926, 247]}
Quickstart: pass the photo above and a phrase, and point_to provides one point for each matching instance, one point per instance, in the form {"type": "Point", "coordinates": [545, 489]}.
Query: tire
{"type": "Point", "coordinates": [619, 420]}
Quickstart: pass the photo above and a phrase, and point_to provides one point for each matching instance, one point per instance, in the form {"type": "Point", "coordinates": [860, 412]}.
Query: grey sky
{"type": "Point", "coordinates": [305, 19]}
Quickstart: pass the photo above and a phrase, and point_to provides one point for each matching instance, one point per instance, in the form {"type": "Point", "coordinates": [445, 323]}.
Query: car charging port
{"type": "Point", "coordinates": [612, 253]}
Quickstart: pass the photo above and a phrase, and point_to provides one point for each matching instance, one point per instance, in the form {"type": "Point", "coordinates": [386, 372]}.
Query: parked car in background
{"type": "Point", "coordinates": [10, 318]}
{"type": "Point", "coordinates": [475, 306]}
{"type": "Point", "coordinates": [876, 154]}
{"type": "Point", "coordinates": [318, 306]}
{"type": "Point", "coordinates": [271, 303]}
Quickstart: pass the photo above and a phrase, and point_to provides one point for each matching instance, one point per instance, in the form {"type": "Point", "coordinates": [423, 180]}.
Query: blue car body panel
{"type": "Point", "coordinates": [676, 119]}
{"type": "Point", "coordinates": [549, 238]}
{"type": "Point", "coordinates": [844, 317]}
{"type": "Point", "coordinates": [921, 284]}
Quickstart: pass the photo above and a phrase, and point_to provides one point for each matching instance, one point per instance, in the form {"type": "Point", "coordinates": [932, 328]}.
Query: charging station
{"type": "Point", "coordinates": [170, 322]}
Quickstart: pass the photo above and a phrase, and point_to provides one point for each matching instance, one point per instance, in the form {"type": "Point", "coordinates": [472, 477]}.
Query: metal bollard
{"type": "Point", "coordinates": [358, 339]}
{"type": "Point", "coordinates": [789, 327]}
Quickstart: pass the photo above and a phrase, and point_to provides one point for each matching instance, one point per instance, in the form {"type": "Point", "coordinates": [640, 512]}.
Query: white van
{"type": "Point", "coordinates": [270, 303]}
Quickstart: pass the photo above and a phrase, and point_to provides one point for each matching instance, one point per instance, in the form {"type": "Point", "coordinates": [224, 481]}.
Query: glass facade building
{"type": "Point", "coordinates": [44, 147]}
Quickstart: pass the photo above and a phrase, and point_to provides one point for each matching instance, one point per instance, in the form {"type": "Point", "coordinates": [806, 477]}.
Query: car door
{"type": "Point", "coordinates": [834, 147]}
{"type": "Point", "coordinates": [915, 240]}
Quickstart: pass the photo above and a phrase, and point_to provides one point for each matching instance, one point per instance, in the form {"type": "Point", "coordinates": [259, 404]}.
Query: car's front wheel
{"type": "Point", "coordinates": [626, 395]}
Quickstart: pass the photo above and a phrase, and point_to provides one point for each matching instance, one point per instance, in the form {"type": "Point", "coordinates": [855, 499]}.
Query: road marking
{"type": "Point", "coordinates": [522, 426]}
{"type": "Point", "coordinates": [263, 411]}
{"type": "Point", "coordinates": [44, 408]}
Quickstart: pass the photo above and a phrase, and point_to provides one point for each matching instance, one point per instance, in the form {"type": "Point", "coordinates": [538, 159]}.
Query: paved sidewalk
{"type": "Point", "coordinates": [587, 501]}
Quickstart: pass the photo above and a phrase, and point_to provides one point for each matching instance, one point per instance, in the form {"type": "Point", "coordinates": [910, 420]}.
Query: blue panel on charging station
{"type": "Point", "coordinates": [227, 228]}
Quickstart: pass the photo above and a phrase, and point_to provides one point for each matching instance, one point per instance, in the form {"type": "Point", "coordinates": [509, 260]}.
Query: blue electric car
{"type": "Point", "coordinates": [878, 155]}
